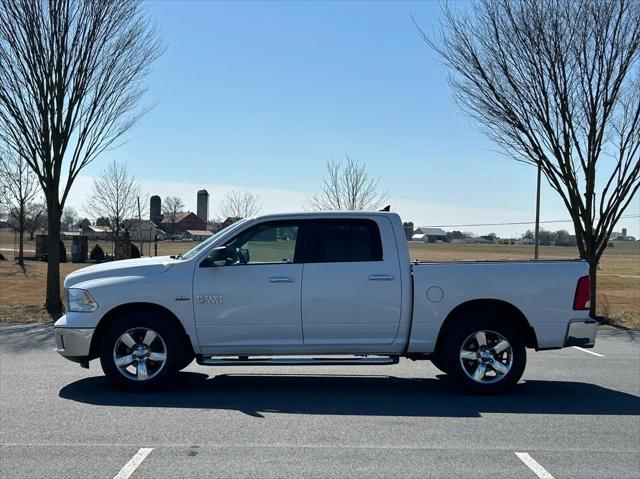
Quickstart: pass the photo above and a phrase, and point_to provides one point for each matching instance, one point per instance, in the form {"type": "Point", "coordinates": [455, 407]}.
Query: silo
{"type": "Point", "coordinates": [155, 209]}
{"type": "Point", "coordinates": [203, 205]}
{"type": "Point", "coordinates": [408, 229]}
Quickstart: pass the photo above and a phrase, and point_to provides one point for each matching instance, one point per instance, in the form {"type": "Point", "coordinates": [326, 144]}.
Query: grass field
{"type": "Point", "coordinates": [22, 292]}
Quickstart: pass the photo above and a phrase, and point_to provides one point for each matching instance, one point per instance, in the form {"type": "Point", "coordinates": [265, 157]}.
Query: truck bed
{"type": "Point", "coordinates": [543, 291]}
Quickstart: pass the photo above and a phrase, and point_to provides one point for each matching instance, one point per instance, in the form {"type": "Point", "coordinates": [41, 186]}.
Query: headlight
{"type": "Point", "coordinates": [80, 301]}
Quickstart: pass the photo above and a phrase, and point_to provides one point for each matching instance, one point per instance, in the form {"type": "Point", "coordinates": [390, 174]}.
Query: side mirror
{"type": "Point", "coordinates": [217, 257]}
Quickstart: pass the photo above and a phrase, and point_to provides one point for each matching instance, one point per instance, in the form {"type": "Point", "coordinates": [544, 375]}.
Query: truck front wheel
{"type": "Point", "coordinates": [438, 361]}
{"type": "Point", "coordinates": [485, 355]}
{"type": "Point", "coordinates": [141, 351]}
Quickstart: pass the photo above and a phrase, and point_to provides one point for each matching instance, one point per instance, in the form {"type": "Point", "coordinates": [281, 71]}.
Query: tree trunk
{"type": "Point", "coordinates": [593, 268]}
{"type": "Point", "coordinates": [21, 236]}
{"type": "Point", "coordinates": [53, 303]}
{"type": "Point", "coordinates": [21, 246]}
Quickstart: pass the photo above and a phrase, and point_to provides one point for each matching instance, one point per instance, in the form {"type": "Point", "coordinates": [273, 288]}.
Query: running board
{"type": "Point", "coordinates": [285, 361]}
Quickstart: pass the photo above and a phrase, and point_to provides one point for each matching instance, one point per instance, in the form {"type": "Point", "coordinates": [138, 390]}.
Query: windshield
{"type": "Point", "coordinates": [208, 242]}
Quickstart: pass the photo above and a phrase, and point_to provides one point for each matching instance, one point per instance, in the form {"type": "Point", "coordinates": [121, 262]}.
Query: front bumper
{"type": "Point", "coordinates": [74, 343]}
{"type": "Point", "coordinates": [581, 333]}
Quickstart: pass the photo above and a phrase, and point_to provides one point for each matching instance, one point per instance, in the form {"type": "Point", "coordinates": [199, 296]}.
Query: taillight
{"type": "Point", "coordinates": [582, 299]}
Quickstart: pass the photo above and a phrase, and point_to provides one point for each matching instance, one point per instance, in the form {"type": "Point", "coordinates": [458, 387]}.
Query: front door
{"type": "Point", "coordinates": [252, 304]}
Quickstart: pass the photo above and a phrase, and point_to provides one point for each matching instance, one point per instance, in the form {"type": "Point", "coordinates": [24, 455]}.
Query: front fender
{"type": "Point", "coordinates": [171, 291]}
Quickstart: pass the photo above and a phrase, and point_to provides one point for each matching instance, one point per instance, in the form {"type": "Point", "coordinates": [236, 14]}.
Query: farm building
{"type": "Point", "coordinates": [229, 221]}
{"type": "Point", "coordinates": [69, 234]}
{"type": "Point", "coordinates": [429, 235]}
{"type": "Point", "coordinates": [185, 220]}
{"type": "Point", "coordinates": [97, 232]}
{"type": "Point", "coordinates": [198, 235]}
{"type": "Point", "coordinates": [144, 230]}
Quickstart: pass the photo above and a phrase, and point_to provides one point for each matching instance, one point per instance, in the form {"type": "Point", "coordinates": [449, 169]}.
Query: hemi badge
{"type": "Point", "coordinates": [183, 298]}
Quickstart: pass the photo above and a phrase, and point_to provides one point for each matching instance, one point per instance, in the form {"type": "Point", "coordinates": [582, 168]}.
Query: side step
{"type": "Point", "coordinates": [303, 361]}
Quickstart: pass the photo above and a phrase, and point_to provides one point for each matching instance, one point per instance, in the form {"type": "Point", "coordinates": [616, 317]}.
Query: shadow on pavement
{"type": "Point", "coordinates": [25, 337]}
{"type": "Point", "coordinates": [356, 395]}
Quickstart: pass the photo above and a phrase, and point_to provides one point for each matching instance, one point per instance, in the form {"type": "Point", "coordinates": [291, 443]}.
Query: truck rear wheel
{"type": "Point", "coordinates": [141, 351]}
{"type": "Point", "coordinates": [486, 355]}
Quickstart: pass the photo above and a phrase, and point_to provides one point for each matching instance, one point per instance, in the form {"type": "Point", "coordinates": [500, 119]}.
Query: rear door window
{"type": "Point", "coordinates": [341, 241]}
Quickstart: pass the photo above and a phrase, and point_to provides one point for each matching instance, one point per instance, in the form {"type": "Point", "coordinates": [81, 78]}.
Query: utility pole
{"type": "Point", "coordinates": [536, 240]}
{"type": "Point", "coordinates": [140, 228]}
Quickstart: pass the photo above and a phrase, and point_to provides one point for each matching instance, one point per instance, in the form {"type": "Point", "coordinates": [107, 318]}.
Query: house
{"type": "Point", "coordinates": [185, 220]}
{"type": "Point", "coordinates": [142, 230]}
{"type": "Point", "coordinates": [429, 235]}
{"type": "Point", "coordinates": [490, 239]}
{"type": "Point", "coordinates": [67, 235]}
{"type": "Point", "coordinates": [621, 236]}
{"type": "Point", "coordinates": [97, 232]}
{"type": "Point", "coordinates": [198, 235]}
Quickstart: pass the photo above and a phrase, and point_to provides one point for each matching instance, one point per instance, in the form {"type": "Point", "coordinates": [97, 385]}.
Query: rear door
{"type": "Point", "coordinates": [351, 288]}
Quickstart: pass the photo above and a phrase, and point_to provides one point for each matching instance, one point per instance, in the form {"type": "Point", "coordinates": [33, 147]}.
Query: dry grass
{"type": "Point", "coordinates": [22, 292]}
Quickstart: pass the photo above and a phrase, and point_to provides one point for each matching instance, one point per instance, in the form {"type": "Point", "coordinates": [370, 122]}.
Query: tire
{"type": "Point", "coordinates": [148, 347]}
{"type": "Point", "coordinates": [488, 368]}
{"type": "Point", "coordinates": [187, 359]}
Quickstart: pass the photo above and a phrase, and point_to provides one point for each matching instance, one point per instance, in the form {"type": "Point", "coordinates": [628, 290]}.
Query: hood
{"type": "Point", "coordinates": [125, 267]}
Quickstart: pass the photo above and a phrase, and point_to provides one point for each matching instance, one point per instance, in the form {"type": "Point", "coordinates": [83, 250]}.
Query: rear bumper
{"type": "Point", "coordinates": [581, 333]}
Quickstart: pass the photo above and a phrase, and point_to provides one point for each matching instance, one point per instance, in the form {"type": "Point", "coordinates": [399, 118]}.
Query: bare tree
{"type": "Point", "coordinates": [71, 77]}
{"type": "Point", "coordinates": [348, 186]}
{"type": "Point", "coordinates": [35, 218]}
{"type": "Point", "coordinates": [239, 204]}
{"type": "Point", "coordinates": [18, 188]}
{"type": "Point", "coordinates": [69, 217]}
{"type": "Point", "coordinates": [114, 196]}
{"type": "Point", "coordinates": [171, 206]}
{"type": "Point", "coordinates": [556, 84]}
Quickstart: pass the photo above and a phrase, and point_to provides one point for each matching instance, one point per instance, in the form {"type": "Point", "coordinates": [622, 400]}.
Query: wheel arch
{"type": "Point", "coordinates": [128, 308]}
{"type": "Point", "coordinates": [499, 307]}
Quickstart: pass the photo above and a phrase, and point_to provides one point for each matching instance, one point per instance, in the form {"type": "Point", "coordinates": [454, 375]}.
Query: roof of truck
{"type": "Point", "coordinates": [329, 214]}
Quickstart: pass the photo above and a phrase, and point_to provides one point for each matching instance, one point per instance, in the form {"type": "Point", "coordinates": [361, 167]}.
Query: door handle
{"type": "Point", "coordinates": [381, 277]}
{"type": "Point", "coordinates": [281, 279]}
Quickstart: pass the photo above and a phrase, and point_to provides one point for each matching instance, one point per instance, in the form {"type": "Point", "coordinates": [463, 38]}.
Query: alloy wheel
{"type": "Point", "coordinates": [486, 357]}
{"type": "Point", "coordinates": [140, 354]}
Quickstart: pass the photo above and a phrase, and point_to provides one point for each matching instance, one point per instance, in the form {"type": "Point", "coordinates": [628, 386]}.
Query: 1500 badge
{"type": "Point", "coordinates": [208, 299]}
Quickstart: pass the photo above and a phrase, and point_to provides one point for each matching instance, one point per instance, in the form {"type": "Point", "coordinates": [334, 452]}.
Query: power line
{"type": "Point", "coordinates": [516, 223]}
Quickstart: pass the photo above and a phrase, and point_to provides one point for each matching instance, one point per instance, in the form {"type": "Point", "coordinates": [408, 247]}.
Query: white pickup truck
{"type": "Point", "coordinates": [320, 289]}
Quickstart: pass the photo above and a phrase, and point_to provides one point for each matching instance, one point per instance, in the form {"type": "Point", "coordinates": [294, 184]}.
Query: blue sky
{"type": "Point", "coordinates": [261, 95]}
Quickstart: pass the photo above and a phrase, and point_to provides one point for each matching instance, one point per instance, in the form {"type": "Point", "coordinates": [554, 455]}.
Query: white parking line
{"type": "Point", "coordinates": [587, 351]}
{"type": "Point", "coordinates": [133, 463]}
{"type": "Point", "coordinates": [532, 464]}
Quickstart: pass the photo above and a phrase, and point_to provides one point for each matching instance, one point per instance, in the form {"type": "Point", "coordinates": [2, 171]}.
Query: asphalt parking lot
{"type": "Point", "coordinates": [575, 414]}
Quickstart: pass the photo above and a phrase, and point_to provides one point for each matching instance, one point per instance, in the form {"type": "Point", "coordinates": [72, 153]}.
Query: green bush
{"type": "Point", "coordinates": [96, 254]}
{"type": "Point", "coordinates": [135, 252]}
